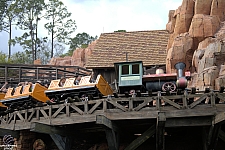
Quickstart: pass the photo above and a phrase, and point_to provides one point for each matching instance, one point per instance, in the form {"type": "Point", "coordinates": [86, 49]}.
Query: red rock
{"type": "Point", "coordinates": [180, 52]}
{"type": "Point", "coordinates": [204, 26]}
{"type": "Point", "coordinates": [171, 23]}
{"type": "Point", "coordinates": [79, 57]}
{"type": "Point", "coordinates": [203, 7]}
{"type": "Point", "coordinates": [217, 9]}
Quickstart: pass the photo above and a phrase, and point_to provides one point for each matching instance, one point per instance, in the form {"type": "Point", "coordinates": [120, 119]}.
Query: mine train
{"type": "Point", "coordinates": [130, 81]}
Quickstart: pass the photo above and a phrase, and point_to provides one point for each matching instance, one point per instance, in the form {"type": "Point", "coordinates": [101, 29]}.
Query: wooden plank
{"type": "Point", "coordinates": [20, 116]}
{"type": "Point", "coordinates": [58, 111]}
{"type": "Point", "coordinates": [184, 99]}
{"type": "Point", "coordinates": [141, 139]}
{"type": "Point", "coordinates": [201, 111]}
{"type": "Point", "coordinates": [171, 102]}
{"type": "Point", "coordinates": [198, 101]}
{"type": "Point", "coordinates": [47, 129]}
{"type": "Point", "coordinates": [67, 110]}
{"type": "Point", "coordinates": [212, 99]}
{"type": "Point", "coordinates": [10, 118]}
{"type": "Point", "coordinates": [188, 121]}
{"type": "Point", "coordinates": [85, 107]}
{"type": "Point", "coordinates": [220, 96]}
{"type": "Point", "coordinates": [140, 106]}
{"type": "Point", "coordinates": [77, 109]}
{"type": "Point", "coordinates": [131, 105]}
{"type": "Point", "coordinates": [104, 105]}
{"type": "Point", "coordinates": [94, 107]}
{"type": "Point", "coordinates": [44, 114]}
{"type": "Point", "coordinates": [31, 115]}
{"type": "Point", "coordinates": [117, 105]}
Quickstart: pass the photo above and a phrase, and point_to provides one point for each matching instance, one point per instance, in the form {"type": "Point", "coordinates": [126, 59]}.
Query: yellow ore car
{"type": "Point", "coordinates": [25, 96]}
{"type": "Point", "coordinates": [85, 88]}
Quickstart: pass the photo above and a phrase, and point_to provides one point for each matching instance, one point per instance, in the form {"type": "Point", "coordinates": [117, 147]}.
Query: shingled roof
{"type": "Point", "coordinates": [146, 46]}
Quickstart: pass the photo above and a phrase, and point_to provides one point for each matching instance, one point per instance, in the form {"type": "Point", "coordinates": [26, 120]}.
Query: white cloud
{"type": "Point", "coordinates": [97, 16]}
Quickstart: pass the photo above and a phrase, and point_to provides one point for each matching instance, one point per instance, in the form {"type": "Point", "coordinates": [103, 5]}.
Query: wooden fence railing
{"type": "Point", "coordinates": [117, 108]}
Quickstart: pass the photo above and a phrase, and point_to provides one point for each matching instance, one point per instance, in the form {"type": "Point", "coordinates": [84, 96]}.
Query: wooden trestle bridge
{"type": "Point", "coordinates": [117, 117]}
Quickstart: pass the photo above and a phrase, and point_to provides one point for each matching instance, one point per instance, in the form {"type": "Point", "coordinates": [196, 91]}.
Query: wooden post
{"type": "Point", "coordinates": [160, 130]}
{"type": "Point", "coordinates": [63, 143]}
{"type": "Point", "coordinates": [131, 104]}
{"type": "Point", "coordinates": [158, 101]}
{"type": "Point", "coordinates": [214, 131]}
{"type": "Point", "coordinates": [213, 136]}
{"type": "Point", "coordinates": [111, 130]}
{"type": "Point", "coordinates": [185, 99]}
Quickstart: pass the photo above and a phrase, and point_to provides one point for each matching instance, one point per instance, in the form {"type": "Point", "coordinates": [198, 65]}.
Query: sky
{"type": "Point", "coordinates": [104, 16]}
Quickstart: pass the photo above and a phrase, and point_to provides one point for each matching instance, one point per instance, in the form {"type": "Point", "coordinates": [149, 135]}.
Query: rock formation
{"type": "Point", "coordinates": [197, 35]}
{"type": "Point", "coordinates": [79, 57]}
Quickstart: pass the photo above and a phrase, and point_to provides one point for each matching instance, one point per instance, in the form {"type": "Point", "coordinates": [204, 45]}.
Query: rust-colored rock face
{"type": "Point", "coordinates": [197, 39]}
{"type": "Point", "coordinates": [79, 57]}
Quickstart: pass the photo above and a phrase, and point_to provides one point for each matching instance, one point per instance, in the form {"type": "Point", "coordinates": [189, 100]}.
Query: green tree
{"type": "Point", "coordinates": [28, 12]}
{"type": "Point", "coordinates": [80, 41]}
{"type": "Point", "coordinates": [20, 58]}
{"type": "Point", "coordinates": [60, 26]}
{"type": "Point", "coordinates": [7, 21]}
{"type": "Point", "coordinates": [44, 50]}
{"type": "Point", "coordinates": [3, 6]}
{"type": "Point", "coordinates": [3, 57]}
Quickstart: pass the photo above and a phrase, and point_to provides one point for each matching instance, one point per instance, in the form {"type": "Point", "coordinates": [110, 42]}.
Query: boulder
{"type": "Point", "coordinates": [217, 9]}
{"type": "Point", "coordinates": [219, 82]}
{"type": "Point", "coordinates": [171, 23]}
{"type": "Point", "coordinates": [203, 26]}
{"type": "Point", "coordinates": [198, 39]}
{"type": "Point", "coordinates": [79, 57]}
{"type": "Point", "coordinates": [203, 7]}
{"type": "Point", "coordinates": [181, 51]}
{"type": "Point", "coordinates": [222, 70]}
{"type": "Point", "coordinates": [184, 15]}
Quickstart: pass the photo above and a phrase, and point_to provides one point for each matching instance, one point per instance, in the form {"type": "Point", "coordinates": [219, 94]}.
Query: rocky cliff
{"type": "Point", "coordinates": [197, 36]}
{"type": "Point", "coordinates": [79, 57]}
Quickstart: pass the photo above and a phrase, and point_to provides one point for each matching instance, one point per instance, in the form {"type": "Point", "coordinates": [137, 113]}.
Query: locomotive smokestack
{"type": "Point", "coordinates": [180, 67]}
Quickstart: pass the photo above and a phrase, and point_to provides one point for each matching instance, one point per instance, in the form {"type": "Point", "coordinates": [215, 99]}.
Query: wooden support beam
{"type": "Point", "coordinates": [106, 122]}
{"type": "Point", "coordinates": [112, 139]}
{"type": "Point", "coordinates": [42, 128]}
{"type": "Point", "coordinates": [205, 138]}
{"type": "Point", "coordinates": [220, 118]}
{"type": "Point", "coordinates": [160, 130]}
{"type": "Point", "coordinates": [222, 135]}
{"type": "Point", "coordinates": [213, 136]}
{"type": "Point", "coordinates": [112, 132]}
{"type": "Point", "coordinates": [13, 133]}
{"type": "Point", "coordinates": [63, 143]}
{"type": "Point", "coordinates": [189, 121]}
{"type": "Point", "coordinates": [141, 139]}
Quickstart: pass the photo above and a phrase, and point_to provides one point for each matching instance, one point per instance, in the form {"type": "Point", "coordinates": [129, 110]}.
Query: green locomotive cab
{"type": "Point", "coordinates": [129, 76]}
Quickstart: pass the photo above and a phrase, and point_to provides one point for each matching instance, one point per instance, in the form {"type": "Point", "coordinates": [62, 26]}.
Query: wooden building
{"type": "Point", "coordinates": [146, 46]}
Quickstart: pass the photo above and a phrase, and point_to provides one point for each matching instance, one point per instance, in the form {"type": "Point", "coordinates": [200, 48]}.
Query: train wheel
{"type": "Point", "coordinates": [169, 86]}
